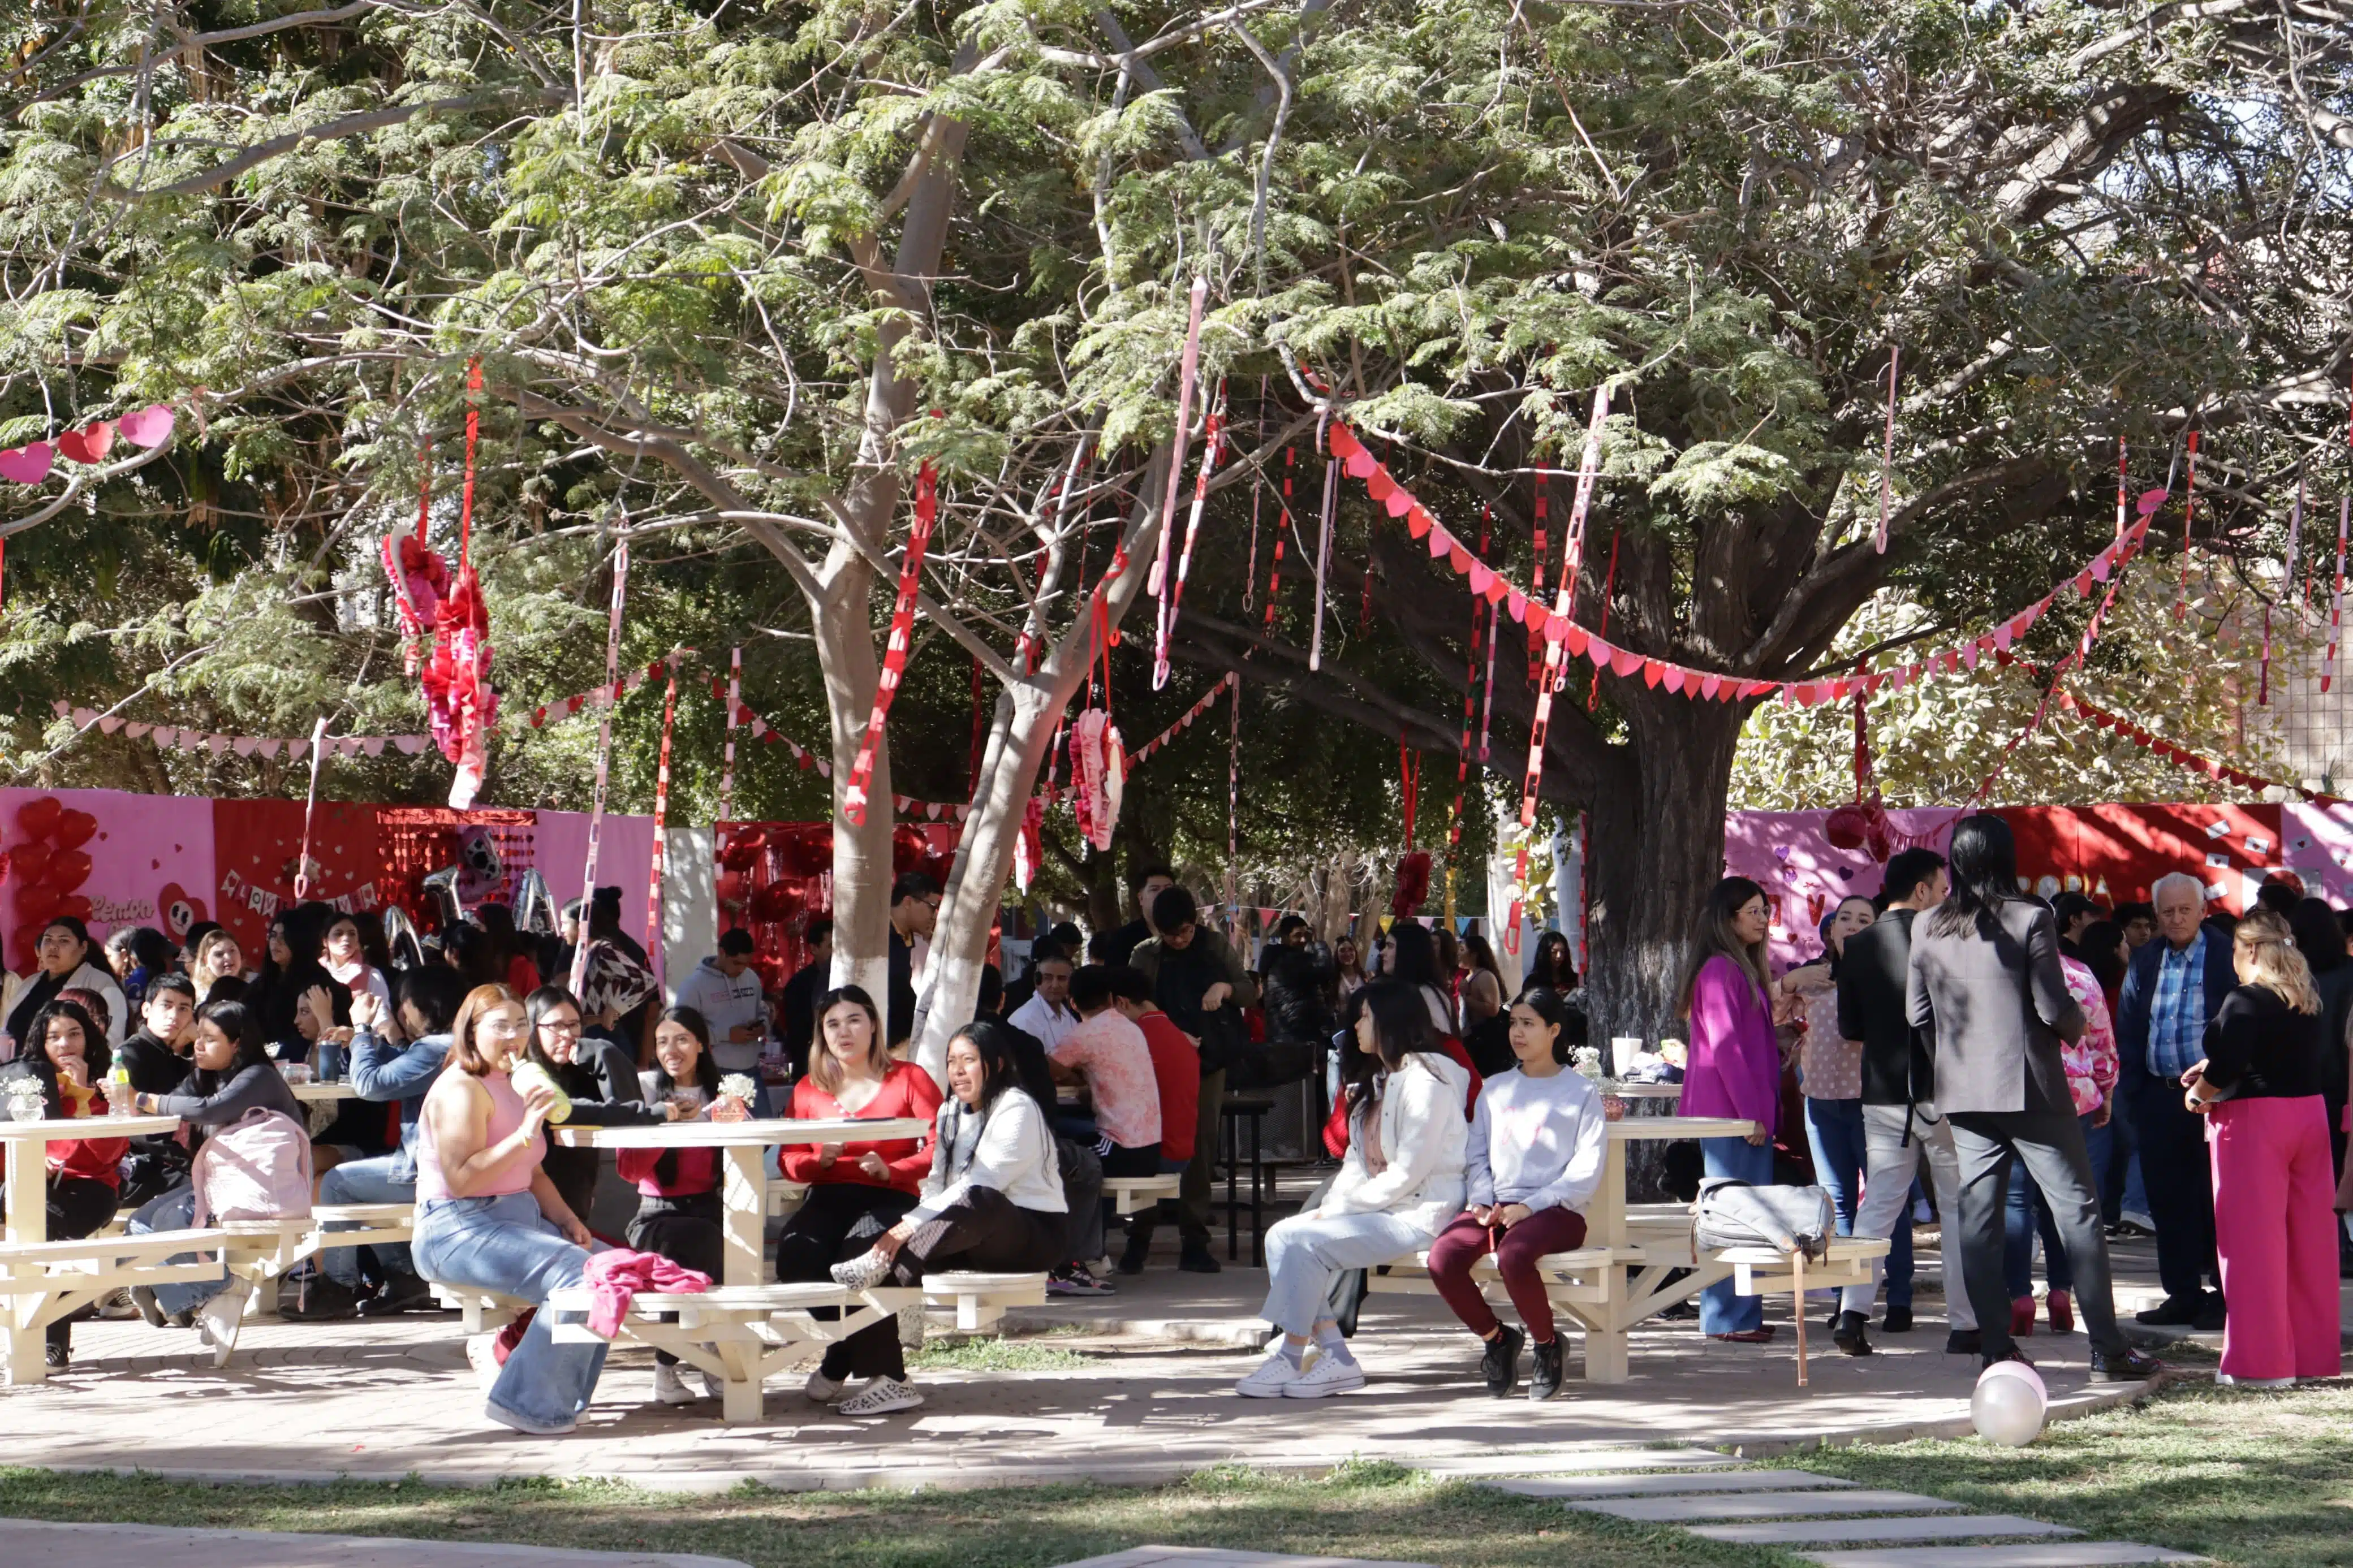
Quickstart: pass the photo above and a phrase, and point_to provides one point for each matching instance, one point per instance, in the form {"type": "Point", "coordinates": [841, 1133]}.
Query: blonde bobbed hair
{"type": "Point", "coordinates": [2277, 965]}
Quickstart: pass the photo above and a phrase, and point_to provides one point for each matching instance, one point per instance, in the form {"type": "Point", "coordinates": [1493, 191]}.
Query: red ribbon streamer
{"type": "Point", "coordinates": [1588, 468]}
{"type": "Point", "coordinates": [2336, 598]}
{"type": "Point", "coordinates": [1887, 459]}
{"type": "Point", "coordinates": [661, 814]}
{"type": "Point", "coordinates": [1188, 372]}
{"type": "Point", "coordinates": [895, 652]}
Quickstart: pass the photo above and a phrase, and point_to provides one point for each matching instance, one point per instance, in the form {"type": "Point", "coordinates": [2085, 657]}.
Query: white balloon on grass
{"type": "Point", "coordinates": [2009, 1404]}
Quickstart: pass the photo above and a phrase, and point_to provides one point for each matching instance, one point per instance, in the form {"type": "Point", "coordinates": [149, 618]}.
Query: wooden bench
{"type": "Point", "coordinates": [785, 1197]}
{"type": "Point", "coordinates": [1130, 1194]}
{"type": "Point", "coordinates": [41, 1282]}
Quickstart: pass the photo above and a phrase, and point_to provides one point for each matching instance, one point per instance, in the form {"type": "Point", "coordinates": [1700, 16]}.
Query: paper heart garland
{"type": "Point", "coordinates": [27, 465]}
{"type": "Point", "coordinates": [89, 444]}
{"type": "Point", "coordinates": [148, 428]}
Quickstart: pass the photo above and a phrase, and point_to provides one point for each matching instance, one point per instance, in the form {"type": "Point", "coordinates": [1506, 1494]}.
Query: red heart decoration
{"type": "Point", "coordinates": [75, 905]}
{"type": "Point", "coordinates": [1361, 464]}
{"type": "Point", "coordinates": [68, 869]}
{"type": "Point", "coordinates": [1380, 486]}
{"type": "Point", "coordinates": [74, 829]}
{"type": "Point", "coordinates": [1623, 663]}
{"type": "Point", "coordinates": [37, 818]}
{"type": "Point", "coordinates": [1578, 640]}
{"type": "Point", "coordinates": [1457, 557]}
{"type": "Point", "coordinates": [1652, 673]}
{"type": "Point", "coordinates": [32, 859]}
{"type": "Point", "coordinates": [1399, 503]}
{"type": "Point", "coordinates": [1342, 441]}
{"type": "Point", "coordinates": [89, 444]}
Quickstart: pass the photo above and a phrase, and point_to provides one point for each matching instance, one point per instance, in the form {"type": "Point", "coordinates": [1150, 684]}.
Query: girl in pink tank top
{"type": "Point", "coordinates": [512, 1174]}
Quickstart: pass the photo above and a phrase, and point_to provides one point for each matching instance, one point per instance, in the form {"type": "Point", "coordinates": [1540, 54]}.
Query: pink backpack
{"type": "Point", "coordinates": [258, 1167]}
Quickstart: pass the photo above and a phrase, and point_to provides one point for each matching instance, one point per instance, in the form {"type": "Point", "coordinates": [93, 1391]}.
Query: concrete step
{"type": "Point", "coordinates": [1763, 1505]}
{"type": "Point", "coordinates": [2027, 1554]}
{"type": "Point", "coordinates": [166, 1546]}
{"type": "Point", "coordinates": [1851, 1531]}
{"type": "Point", "coordinates": [1688, 1484]}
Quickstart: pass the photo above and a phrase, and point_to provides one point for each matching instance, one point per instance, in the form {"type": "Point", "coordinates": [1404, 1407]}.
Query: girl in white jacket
{"type": "Point", "coordinates": [1401, 1181]}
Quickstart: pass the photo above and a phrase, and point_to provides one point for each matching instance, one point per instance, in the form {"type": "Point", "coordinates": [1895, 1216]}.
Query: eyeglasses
{"type": "Point", "coordinates": [506, 1028]}
{"type": "Point", "coordinates": [559, 1026]}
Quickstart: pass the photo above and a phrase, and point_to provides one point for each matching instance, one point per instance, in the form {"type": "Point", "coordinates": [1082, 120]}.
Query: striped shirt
{"type": "Point", "coordinates": [2177, 1009]}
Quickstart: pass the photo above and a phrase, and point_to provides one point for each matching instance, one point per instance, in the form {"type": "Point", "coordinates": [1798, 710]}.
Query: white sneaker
{"type": "Point", "coordinates": [716, 1387]}
{"type": "Point", "coordinates": [880, 1397]}
{"type": "Point", "coordinates": [219, 1319]}
{"type": "Point", "coordinates": [116, 1306]}
{"type": "Point", "coordinates": [1277, 1372]}
{"type": "Point", "coordinates": [2224, 1380]}
{"type": "Point", "coordinates": [823, 1389]}
{"type": "Point", "coordinates": [1330, 1374]}
{"type": "Point", "coordinates": [863, 1272]}
{"type": "Point", "coordinates": [481, 1355]}
{"type": "Point", "coordinates": [669, 1387]}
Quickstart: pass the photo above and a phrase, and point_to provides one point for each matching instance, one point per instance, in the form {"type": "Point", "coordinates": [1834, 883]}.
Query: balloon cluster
{"type": "Point", "coordinates": [47, 866]}
{"type": "Point", "coordinates": [1864, 824]}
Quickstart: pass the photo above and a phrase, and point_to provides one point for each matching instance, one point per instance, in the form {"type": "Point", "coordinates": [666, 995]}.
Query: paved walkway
{"type": "Point", "coordinates": [386, 1399]}
{"type": "Point", "coordinates": [158, 1546]}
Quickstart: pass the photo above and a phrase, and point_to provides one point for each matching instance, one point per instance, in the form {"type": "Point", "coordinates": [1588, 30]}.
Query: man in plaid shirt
{"type": "Point", "coordinates": [2175, 986]}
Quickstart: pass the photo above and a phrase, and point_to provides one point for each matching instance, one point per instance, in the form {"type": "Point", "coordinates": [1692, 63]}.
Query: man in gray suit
{"type": "Point", "coordinates": [1985, 978]}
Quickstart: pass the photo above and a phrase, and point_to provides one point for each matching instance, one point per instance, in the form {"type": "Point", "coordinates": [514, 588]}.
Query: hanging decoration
{"type": "Point", "coordinates": [1324, 550]}
{"type": "Point", "coordinates": [1701, 684]}
{"type": "Point", "coordinates": [2189, 506]}
{"type": "Point", "coordinates": [602, 696]}
{"type": "Point", "coordinates": [146, 428]}
{"type": "Point", "coordinates": [2335, 595]}
{"type": "Point", "coordinates": [1028, 846]}
{"type": "Point", "coordinates": [1589, 469]}
{"type": "Point", "coordinates": [1184, 721]}
{"type": "Point", "coordinates": [894, 651]}
{"type": "Point", "coordinates": [1098, 771]}
{"type": "Point", "coordinates": [456, 677]}
{"type": "Point", "coordinates": [2123, 478]}
{"type": "Point", "coordinates": [1233, 793]}
{"type": "Point", "coordinates": [604, 736]}
{"type": "Point", "coordinates": [1160, 584]}
{"type": "Point", "coordinates": [2287, 586]}
{"type": "Point", "coordinates": [662, 817]}
{"type": "Point", "coordinates": [1536, 586]}
{"type": "Point", "coordinates": [734, 706]}
{"type": "Point", "coordinates": [168, 738]}
{"type": "Point", "coordinates": [1274, 578]}
{"type": "Point", "coordinates": [1887, 456]}
{"type": "Point", "coordinates": [1212, 443]}
{"type": "Point", "coordinates": [420, 578]}
{"type": "Point", "coordinates": [2180, 756]}
{"type": "Point", "coordinates": [303, 864]}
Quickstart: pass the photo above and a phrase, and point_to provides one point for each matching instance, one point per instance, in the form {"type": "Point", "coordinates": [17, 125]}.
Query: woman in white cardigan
{"type": "Point", "coordinates": [1401, 1181]}
{"type": "Point", "coordinates": [62, 963]}
{"type": "Point", "coordinates": [992, 1202]}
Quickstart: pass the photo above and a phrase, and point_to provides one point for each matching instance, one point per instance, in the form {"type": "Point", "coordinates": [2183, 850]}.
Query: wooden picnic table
{"type": "Point", "coordinates": [28, 1214]}
{"type": "Point", "coordinates": [742, 1147]}
{"type": "Point", "coordinates": [323, 1093]}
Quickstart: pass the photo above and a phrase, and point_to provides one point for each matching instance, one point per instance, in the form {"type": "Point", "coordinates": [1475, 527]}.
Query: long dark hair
{"type": "Point", "coordinates": [1983, 862]}
{"type": "Point", "coordinates": [1400, 1027]}
{"type": "Point", "coordinates": [706, 1077]}
{"type": "Point", "coordinates": [243, 1028]}
{"type": "Point", "coordinates": [1000, 1061]}
{"type": "Point", "coordinates": [1716, 938]}
{"type": "Point", "coordinates": [1554, 1010]}
{"type": "Point", "coordinates": [2319, 936]}
{"type": "Point", "coordinates": [1550, 965]}
{"type": "Point", "coordinates": [94, 1052]}
{"type": "Point", "coordinates": [538, 1006]}
{"type": "Point", "coordinates": [1413, 957]}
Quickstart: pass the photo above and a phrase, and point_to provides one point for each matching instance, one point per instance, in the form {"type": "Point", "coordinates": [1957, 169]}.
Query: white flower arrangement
{"type": "Point", "coordinates": [1587, 1062]}
{"type": "Point", "coordinates": [26, 1102]}
{"type": "Point", "coordinates": [738, 1086]}
{"type": "Point", "coordinates": [25, 1088]}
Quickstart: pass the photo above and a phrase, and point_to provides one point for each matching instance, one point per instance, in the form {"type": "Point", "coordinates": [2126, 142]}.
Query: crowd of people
{"type": "Point", "coordinates": [2055, 1073]}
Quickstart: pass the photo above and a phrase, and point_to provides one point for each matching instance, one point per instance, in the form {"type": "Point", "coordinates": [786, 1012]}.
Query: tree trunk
{"type": "Point", "coordinates": [1655, 847]}
{"type": "Point", "coordinates": [862, 853]}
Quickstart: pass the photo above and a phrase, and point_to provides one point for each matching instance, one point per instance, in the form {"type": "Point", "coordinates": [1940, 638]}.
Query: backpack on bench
{"type": "Point", "coordinates": [1732, 1212]}
{"type": "Point", "coordinates": [258, 1167]}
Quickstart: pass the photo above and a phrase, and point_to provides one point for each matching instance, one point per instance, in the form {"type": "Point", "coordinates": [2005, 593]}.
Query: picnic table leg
{"type": "Point", "coordinates": [1798, 1284]}
{"type": "Point", "coordinates": [740, 1400]}
{"type": "Point", "coordinates": [28, 1225]}
{"type": "Point", "coordinates": [1605, 1355]}
{"type": "Point", "coordinates": [744, 1214]}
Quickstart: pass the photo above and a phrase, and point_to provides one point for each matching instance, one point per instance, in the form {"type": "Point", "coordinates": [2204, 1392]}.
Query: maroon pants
{"type": "Point", "coordinates": [1464, 1241]}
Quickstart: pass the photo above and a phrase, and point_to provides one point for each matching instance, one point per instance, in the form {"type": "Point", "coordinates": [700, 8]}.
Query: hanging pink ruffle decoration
{"type": "Point", "coordinates": [1028, 849]}
{"type": "Point", "coordinates": [1098, 773]}
{"type": "Point", "coordinates": [457, 680]}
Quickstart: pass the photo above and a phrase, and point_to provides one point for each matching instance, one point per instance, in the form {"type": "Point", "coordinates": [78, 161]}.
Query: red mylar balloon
{"type": "Point", "coordinates": [75, 827]}
{"type": "Point", "coordinates": [68, 869]}
{"type": "Point", "coordinates": [31, 860]}
{"type": "Point", "coordinates": [776, 901]}
{"type": "Point", "coordinates": [74, 904]}
{"type": "Point", "coordinates": [36, 903]}
{"type": "Point", "coordinates": [37, 818]}
{"type": "Point", "coordinates": [739, 856]}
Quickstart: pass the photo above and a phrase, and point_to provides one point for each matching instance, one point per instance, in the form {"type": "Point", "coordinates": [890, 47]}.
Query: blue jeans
{"type": "Point", "coordinates": [1721, 1311]}
{"type": "Point", "coordinates": [1834, 1132]}
{"type": "Point", "coordinates": [175, 1210]}
{"type": "Point", "coordinates": [1304, 1257]}
{"type": "Point", "coordinates": [2026, 1211]}
{"type": "Point", "coordinates": [506, 1245]}
{"type": "Point", "coordinates": [365, 1182]}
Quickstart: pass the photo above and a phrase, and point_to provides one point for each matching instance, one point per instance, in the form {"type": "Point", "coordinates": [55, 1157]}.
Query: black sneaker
{"type": "Point", "coordinates": [399, 1293]}
{"type": "Point", "coordinates": [2212, 1314]}
{"type": "Point", "coordinates": [2127, 1365]}
{"type": "Point", "coordinates": [56, 1357]}
{"type": "Point", "coordinates": [2012, 1353]}
{"type": "Point", "coordinates": [2173, 1313]}
{"type": "Point", "coordinates": [1132, 1256]}
{"type": "Point", "coordinates": [1895, 1320]}
{"type": "Point", "coordinates": [1848, 1335]}
{"type": "Point", "coordinates": [319, 1299]}
{"type": "Point", "coordinates": [144, 1299]}
{"type": "Point", "coordinates": [1964, 1342]}
{"type": "Point", "coordinates": [1197, 1258]}
{"type": "Point", "coordinates": [1544, 1373]}
{"type": "Point", "coordinates": [1500, 1364]}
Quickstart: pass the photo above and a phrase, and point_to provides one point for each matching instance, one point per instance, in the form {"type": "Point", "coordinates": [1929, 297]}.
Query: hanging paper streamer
{"type": "Point", "coordinates": [2287, 586]}
{"type": "Point", "coordinates": [603, 736]}
{"type": "Point", "coordinates": [146, 428]}
{"type": "Point", "coordinates": [735, 705]}
{"type": "Point", "coordinates": [168, 738]}
{"type": "Point", "coordinates": [1322, 555]}
{"type": "Point", "coordinates": [1212, 441]}
{"type": "Point", "coordinates": [418, 577]}
{"type": "Point", "coordinates": [2123, 477]}
{"type": "Point", "coordinates": [1233, 794]}
{"type": "Point", "coordinates": [1887, 457]}
{"type": "Point", "coordinates": [661, 815]}
{"type": "Point", "coordinates": [1028, 846]}
{"type": "Point", "coordinates": [2181, 757]}
{"type": "Point", "coordinates": [895, 652]}
{"type": "Point", "coordinates": [602, 696]}
{"type": "Point", "coordinates": [1535, 585]}
{"type": "Point", "coordinates": [1188, 373]}
{"type": "Point", "coordinates": [458, 698]}
{"type": "Point", "coordinates": [1494, 635]}
{"type": "Point", "coordinates": [310, 810]}
{"type": "Point", "coordinates": [2189, 506]}
{"type": "Point", "coordinates": [1588, 468]}
{"type": "Point", "coordinates": [1274, 578]}
{"type": "Point", "coordinates": [1098, 771]}
{"type": "Point", "coordinates": [2336, 597]}
{"type": "Point", "coordinates": [1186, 722]}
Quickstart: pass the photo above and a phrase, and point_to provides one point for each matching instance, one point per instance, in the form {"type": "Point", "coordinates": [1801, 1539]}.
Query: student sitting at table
{"type": "Point", "coordinates": [156, 1057]}
{"type": "Point", "coordinates": [488, 1219]}
{"type": "Point", "coordinates": [393, 1066]}
{"type": "Point", "coordinates": [66, 1054]}
{"type": "Point", "coordinates": [1537, 1144]}
{"type": "Point", "coordinates": [1108, 1053]}
{"type": "Point", "coordinates": [856, 1190]}
{"type": "Point", "coordinates": [677, 1189]}
{"type": "Point", "coordinates": [993, 1201]}
{"type": "Point", "coordinates": [1402, 1179]}
{"type": "Point", "coordinates": [1177, 1071]}
{"type": "Point", "coordinates": [233, 1075]}
{"type": "Point", "coordinates": [598, 1077]}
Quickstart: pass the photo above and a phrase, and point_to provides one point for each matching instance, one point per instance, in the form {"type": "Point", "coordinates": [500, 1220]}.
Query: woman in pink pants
{"type": "Point", "coordinates": [1538, 1138]}
{"type": "Point", "coordinates": [2274, 1219]}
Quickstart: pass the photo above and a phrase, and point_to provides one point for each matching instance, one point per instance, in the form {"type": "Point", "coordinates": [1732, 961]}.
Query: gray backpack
{"type": "Point", "coordinates": [1732, 1212]}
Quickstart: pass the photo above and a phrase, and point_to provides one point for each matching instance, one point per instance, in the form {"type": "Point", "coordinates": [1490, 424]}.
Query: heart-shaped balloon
{"type": "Point", "coordinates": [75, 827]}
{"type": "Point", "coordinates": [89, 444]}
{"type": "Point", "coordinates": [1361, 464]}
{"type": "Point", "coordinates": [27, 465]}
{"type": "Point", "coordinates": [68, 869]}
{"type": "Point", "coordinates": [31, 859]}
{"type": "Point", "coordinates": [35, 901]}
{"type": "Point", "coordinates": [75, 905]}
{"type": "Point", "coordinates": [37, 818]}
{"type": "Point", "coordinates": [148, 428]}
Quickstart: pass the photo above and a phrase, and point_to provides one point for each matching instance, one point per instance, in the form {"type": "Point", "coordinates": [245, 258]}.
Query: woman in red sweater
{"type": "Point", "coordinates": [85, 1179]}
{"type": "Point", "coordinates": [677, 1189]}
{"type": "Point", "coordinates": [857, 1190]}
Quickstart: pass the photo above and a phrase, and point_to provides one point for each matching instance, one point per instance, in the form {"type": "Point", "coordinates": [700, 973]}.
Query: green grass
{"type": "Point", "coordinates": [995, 1354]}
{"type": "Point", "coordinates": [2258, 1481]}
{"type": "Point", "coordinates": [1376, 1511]}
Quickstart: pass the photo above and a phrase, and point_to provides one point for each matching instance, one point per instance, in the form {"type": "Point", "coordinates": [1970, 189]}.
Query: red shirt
{"type": "Point", "coordinates": [1177, 1066]}
{"type": "Point", "coordinates": [698, 1172]}
{"type": "Point", "coordinates": [907, 1091]}
{"type": "Point", "coordinates": [91, 1158]}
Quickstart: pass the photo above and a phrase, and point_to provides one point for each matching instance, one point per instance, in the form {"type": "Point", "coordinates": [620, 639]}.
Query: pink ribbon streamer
{"type": "Point", "coordinates": [1212, 442]}
{"type": "Point", "coordinates": [1887, 457]}
{"type": "Point", "coordinates": [2336, 598]}
{"type": "Point", "coordinates": [1589, 469]}
{"type": "Point", "coordinates": [895, 652]}
{"type": "Point", "coordinates": [1189, 375]}
{"type": "Point", "coordinates": [604, 740]}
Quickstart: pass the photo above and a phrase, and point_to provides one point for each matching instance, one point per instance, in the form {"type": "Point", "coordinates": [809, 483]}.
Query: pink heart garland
{"type": "Point", "coordinates": [1672, 679]}
{"type": "Point", "coordinates": [1970, 656]}
{"type": "Point", "coordinates": [1457, 557]}
{"type": "Point", "coordinates": [1482, 578]}
{"type": "Point", "coordinates": [1399, 503]}
{"type": "Point", "coordinates": [1709, 686]}
{"type": "Point", "coordinates": [1380, 486]}
{"type": "Point", "coordinates": [89, 444]}
{"type": "Point", "coordinates": [1497, 590]}
{"type": "Point", "coordinates": [2151, 500]}
{"type": "Point", "coordinates": [27, 465]}
{"type": "Point", "coordinates": [1622, 662]}
{"type": "Point", "coordinates": [1360, 464]}
{"type": "Point", "coordinates": [107, 725]}
{"type": "Point", "coordinates": [1540, 624]}
{"type": "Point", "coordinates": [1417, 521]}
{"type": "Point", "coordinates": [1578, 640]}
{"type": "Point", "coordinates": [148, 428]}
{"type": "Point", "coordinates": [2002, 637]}
{"type": "Point", "coordinates": [1517, 603]}
{"type": "Point", "coordinates": [136, 731]}
{"type": "Point", "coordinates": [1342, 441]}
{"type": "Point", "coordinates": [1652, 673]}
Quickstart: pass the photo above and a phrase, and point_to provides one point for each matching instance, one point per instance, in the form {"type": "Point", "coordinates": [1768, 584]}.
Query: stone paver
{"type": "Point", "coordinates": [1674, 1485]}
{"type": "Point", "coordinates": [1761, 1505]}
{"type": "Point", "coordinates": [1215, 1557]}
{"type": "Point", "coordinates": [2029, 1555]}
{"type": "Point", "coordinates": [155, 1546]}
{"type": "Point", "coordinates": [1835, 1532]}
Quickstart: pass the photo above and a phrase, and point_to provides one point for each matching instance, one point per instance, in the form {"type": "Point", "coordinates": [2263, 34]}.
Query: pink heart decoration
{"type": "Point", "coordinates": [1781, 852]}
{"type": "Point", "coordinates": [1709, 686]}
{"type": "Point", "coordinates": [107, 725]}
{"type": "Point", "coordinates": [136, 731]}
{"type": "Point", "coordinates": [2151, 500]}
{"type": "Point", "coordinates": [1399, 503]}
{"type": "Point", "coordinates": [1599, 651]}
{"type": "Point", "coordinates": [1360, 464]}
{"type": "Point", "coordinates": [148, 428]}
{"type": "Point", "coordinates": [1482, 578]}
{"type": "Point", "coordinates": [244, 745]}
{"type": "Point", "coordinates": [89, 444]}
{"type": "Point", "coordinates": [1439, 538]}
{"type": "Point", "coordinates": [27, 465]}
{"type": "Point", "coordinates": [2002, 637]}
{"type": "Point", "coordinates": [1970, 656]}
{"type": "Point", "coordinates": [1517, 603]}
{"type": "Point", "coordinates": [1622, 662]}
{"type": "Point", "coordinates": [1672, 680]}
